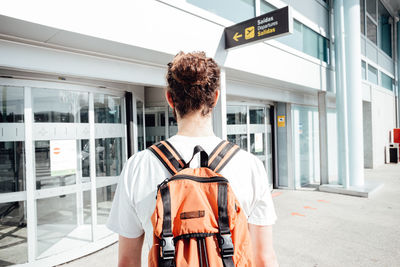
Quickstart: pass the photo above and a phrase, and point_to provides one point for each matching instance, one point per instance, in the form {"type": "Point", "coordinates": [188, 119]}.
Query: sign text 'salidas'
{"type": "Point", "coordinates": [273, 24]}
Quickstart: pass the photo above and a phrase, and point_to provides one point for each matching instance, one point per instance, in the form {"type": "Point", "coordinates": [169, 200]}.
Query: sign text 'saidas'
{"type": "Point", "coordinates": [275, 23]}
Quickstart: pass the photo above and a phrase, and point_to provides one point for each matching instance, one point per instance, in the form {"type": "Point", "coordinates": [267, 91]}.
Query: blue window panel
{"type": "Point", "coordinates": [363, 70]}
{"type": "Point", "coordinates": [385, 29]}
{"type": "Point", "coordinates": [372, 75]}
{"type": "Point", "coordinates": [386, 81]}
{"type": "Point", "coordinates": [234, 10]}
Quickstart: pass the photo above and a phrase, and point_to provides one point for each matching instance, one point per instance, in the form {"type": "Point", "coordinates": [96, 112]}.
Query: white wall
{"type": "Point", "coordinates": [383, 121]}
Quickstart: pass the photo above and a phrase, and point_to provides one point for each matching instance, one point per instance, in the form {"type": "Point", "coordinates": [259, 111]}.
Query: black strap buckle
{"type": "Point", "coordinates": [226, 245]}
{"type": "Point", "coordinates": [167, 248]}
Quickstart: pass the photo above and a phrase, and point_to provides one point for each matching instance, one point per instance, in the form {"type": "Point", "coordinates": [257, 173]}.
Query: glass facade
{"type": "Point", "coordinates": [249, 127]}
{"type": "Point", "coordinates": [56, 222]}
{"type": "Point", "coordinates": [372, 75]}
{"type": "Point", "coordinates": [12, 104]}
{"type": "Point", "coordinates": [376, 22]}
{"type": "Point", "coordinates": [303, 38]}
{"type": "Point", "coordinates": [12, 166]}
{"type": "Point", "coordinates": [60, 106]}
{"type": "Point", "coordinates": [362, 16]}
{"type": "Point", "coordinates": [372, 32]}
{"type": "Point", "coordinates": [13, 233]}
{"type": "Point", "coordinates": [233, 10]}
{"type": "Point", "coordinates": [386, 81]}
{"type": "Point", "coordinates": [105, 196]}
{"type": "Point", "coordinates": [363, 70]}
{"type": "Point", "coordinates": [371, 8]}
{"type": "Point", "coordinates": [140, 125]}
{"type": "Point", "coordinates": [306, 146]}
{"type": "Point", "coordinates": [155, 124]}
{"type": "Point", "coordinates": [61, 133]}
{"type": "Point", "coordinates": [108, 156]}
{"type": "Point", "coordinates": [385, 29]}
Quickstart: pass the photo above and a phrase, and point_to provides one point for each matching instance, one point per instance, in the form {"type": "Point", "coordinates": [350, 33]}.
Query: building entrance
{"type": "Point", "coordinates": [249, 126]}
{"type": "Point", "coordinates": [62, 147]}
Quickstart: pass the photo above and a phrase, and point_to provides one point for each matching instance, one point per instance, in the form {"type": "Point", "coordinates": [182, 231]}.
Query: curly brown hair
{"type": "Point", "coordinates": [193, 80]}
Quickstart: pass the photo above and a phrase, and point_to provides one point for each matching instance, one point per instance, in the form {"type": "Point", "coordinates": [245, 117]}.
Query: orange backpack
{"type": "Point", "coordinates": [197, 220]}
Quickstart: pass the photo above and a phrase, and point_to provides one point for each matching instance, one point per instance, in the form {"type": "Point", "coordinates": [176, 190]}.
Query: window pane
{"type": "Point", "coordinates": [363, 70]}
{"type": "Point", "coordinates": [56, 219]}
{"type": "Point", "coordinates": [308, 41]}
{"type": "Point", "coordinates": [371, 31]}
{"type": "Point", "coordinates": [234, 10]}
{"type": "Point", "coordinates": [107, 108]}
{"type": "Point", "coordinates": [13, 235]}
{"type": "Point", "coordinates": [239, 139]}
{"type": "Point", "coordinates": [108, 156]}
{"type": "Point", "coordinates": [12, 104]}
{"type": "Point", "coordinates": [12, 167]}
{"type": "Point", "coordinates": [385, 29]}
{"type": "Point", "coordinates": [87, 207]}
{"type": "Point", "coordinates": [371, 8]}
{"type": "Point", "coordinates": [386, 81]}
{"type": "Point", "coordinates": [140, 125]}
{"type": "Point", "coordinates": [236, 115]}
{"type": "Point", "coordinates": [85, 160]}
{"type": "Point", "coordinates": [362, 16]}
{"type": "Point", "coordinates": [105, 196]}
{"type": "Point", "coordinates": [372, 75]}
{"type": "Point", "coordinates": [257, 115]}
{"type": "Point", "coordinates": [55, 163]}
{"type": "Point", "coordinates": [295, 39]}
{"type": "Point", "coordinates": [266, 7]}
{"type": "Point", "coordinates": [172, 124]}
{"type": "Point", "coordinates": [306, 145]}
{"type": "Point", "coordinates": [51, 105]}
{"type": "Point", "coordinates": [155, 124]}
{"type": "Point", "coordinates": [257, 143]}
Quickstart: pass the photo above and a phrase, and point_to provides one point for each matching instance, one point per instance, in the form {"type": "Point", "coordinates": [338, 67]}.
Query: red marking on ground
{"type": "Point", "coordinates": [297, 214]}
{"type": "Point", "coordinates": [322, 200]}
{"type": "Point", "coordinates": [56, 150]}
{"type": "Point", "coordinates": [310, 208]}
{"type": "Point", "coordinates": [275, 194]}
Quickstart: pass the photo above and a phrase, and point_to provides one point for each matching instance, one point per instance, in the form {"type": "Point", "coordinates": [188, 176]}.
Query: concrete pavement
{"type": "Point", "coordinates": [325, 229]}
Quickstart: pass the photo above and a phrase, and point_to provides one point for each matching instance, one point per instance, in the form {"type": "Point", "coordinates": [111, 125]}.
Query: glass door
{"type": "Point", "coordinates": [62, 148]}
{"type": "Point", "coordinates": [249, 127]}
{"type": "Point", "coordinates": [13, 218]}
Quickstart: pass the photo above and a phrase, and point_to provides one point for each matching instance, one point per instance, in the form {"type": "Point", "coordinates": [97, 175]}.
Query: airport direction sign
{"type": "Point", "coordinates": [272, 24]}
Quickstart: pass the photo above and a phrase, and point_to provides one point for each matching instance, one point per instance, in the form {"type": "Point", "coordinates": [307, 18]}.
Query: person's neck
{"type": "Point", "coordinates": [195, 125]}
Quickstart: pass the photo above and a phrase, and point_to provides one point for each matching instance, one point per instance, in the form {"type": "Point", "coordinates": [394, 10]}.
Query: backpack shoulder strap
{"type": "Point", "coordinates": [168, 155]}
{"type": "Point", "coordinates": [221, 155]}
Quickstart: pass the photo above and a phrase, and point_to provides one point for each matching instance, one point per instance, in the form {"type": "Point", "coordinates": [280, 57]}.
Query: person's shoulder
{"type": "Point", "coordinates": [247, 158]}
{"type": "Point", "coordinates": [140, 159]}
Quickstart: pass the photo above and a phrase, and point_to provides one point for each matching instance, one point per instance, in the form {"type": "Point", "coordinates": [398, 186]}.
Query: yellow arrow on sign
{"type": "Point", "coordinates": [237, 36]}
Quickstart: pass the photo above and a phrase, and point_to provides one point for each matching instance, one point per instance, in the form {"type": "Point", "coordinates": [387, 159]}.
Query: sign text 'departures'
{"type": "Point", "coordinates": [272, 24]}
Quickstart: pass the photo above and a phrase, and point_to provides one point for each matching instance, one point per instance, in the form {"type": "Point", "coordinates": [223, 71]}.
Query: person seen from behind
{"type": "Point", "coordinates": [192, 93]}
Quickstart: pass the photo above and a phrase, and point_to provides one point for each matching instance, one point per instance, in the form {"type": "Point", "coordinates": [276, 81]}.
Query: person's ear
{"type": "Point", "coordinates": [168, 97]}
{"type": "Point", "coordinates": [216, 97]}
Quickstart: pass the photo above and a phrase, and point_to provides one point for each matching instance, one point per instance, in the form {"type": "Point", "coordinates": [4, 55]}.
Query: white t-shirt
{"type": "Point", "coordinates": [135, 197]}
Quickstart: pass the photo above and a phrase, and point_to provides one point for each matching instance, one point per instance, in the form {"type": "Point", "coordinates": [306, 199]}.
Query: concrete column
{"type": "Point", "coordinates": [219, 112]}
{"type": "Point", "coordinates": [323, 137]}
{"type": "Point", "coordinates": [354, 92]}
{"type": "Point", "coordinates": [341, 98]}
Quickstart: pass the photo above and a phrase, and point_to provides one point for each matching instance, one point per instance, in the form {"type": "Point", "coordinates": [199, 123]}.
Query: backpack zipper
{"type": "Point", "coordinates": [215, 179]}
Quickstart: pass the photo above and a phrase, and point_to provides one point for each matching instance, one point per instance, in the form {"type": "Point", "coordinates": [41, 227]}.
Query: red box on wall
{"type": "Point", "coordinates": [396, 135]}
